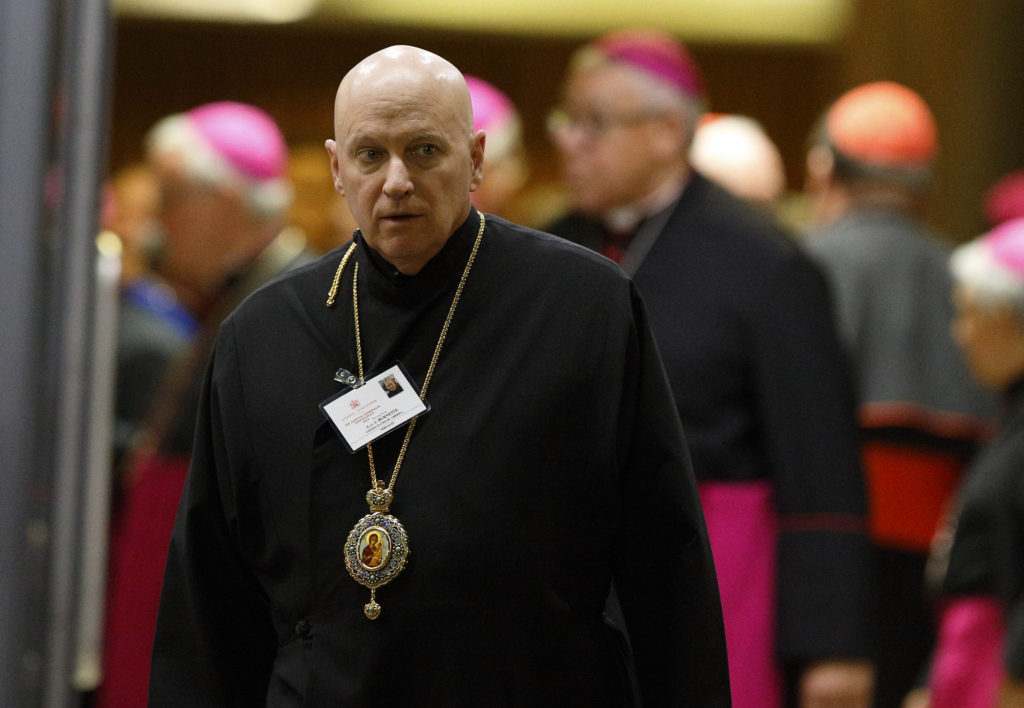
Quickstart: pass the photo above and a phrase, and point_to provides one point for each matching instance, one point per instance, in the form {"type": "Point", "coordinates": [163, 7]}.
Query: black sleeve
{"type": "Point", "coordinates": [663, 570]}
{"type": "Point", "coordinates": [1014, 655]}
{"type": "Point", "coordinates": [214, 643]}
{"type": "Point", "coordinates": [806, 405]}
{"type": "Point", "coordinates": [1010, 543]}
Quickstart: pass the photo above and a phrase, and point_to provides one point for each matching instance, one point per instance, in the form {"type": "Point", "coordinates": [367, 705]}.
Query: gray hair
{"type": "Point", "coordinates": [993, 284]}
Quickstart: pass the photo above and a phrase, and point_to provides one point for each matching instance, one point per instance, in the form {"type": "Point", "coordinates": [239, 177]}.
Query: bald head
{"type": "Point", "coordinates": [405, 155]}
{"type": "Point", "coordinates": [402, 70]}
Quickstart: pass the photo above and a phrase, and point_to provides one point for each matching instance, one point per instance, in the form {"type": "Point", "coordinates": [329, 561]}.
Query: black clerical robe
{"type": "Point", "coordinates": [920, 413]}
{"type": "Point", "coordinates": [744, 323]}
{"type": "Point", "coordinates": [551, 462]}
{"type": "Point", "coordinates": [986, 558]}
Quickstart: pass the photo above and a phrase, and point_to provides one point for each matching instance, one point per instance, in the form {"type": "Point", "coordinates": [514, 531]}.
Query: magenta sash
{"type": "Point", "coordinates": [743, 526]}
{"type": "Point", "coordinates": [968, 669]}
{"type": "Point", "coordinates": [141, 535]}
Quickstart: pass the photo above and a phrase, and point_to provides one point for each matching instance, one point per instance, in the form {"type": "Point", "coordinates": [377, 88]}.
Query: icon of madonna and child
{"type": "Point", "coordinates": [374, 548]}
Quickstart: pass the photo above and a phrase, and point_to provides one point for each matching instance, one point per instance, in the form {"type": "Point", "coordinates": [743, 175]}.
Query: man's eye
{"type": "Point", "coordinates": [369, 155]}
{"type": "Point", "coordinates": [427, 150]}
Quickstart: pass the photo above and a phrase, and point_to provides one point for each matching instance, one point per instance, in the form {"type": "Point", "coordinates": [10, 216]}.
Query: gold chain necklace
{"type": "Point", "coordinates": [378, 546]}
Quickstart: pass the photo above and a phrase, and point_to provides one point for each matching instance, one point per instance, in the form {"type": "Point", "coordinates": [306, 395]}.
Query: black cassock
{"type": "Point", "coordinates": [550, 463]}
{"type": "Point", "coordinates": [987, 555]}
{"type": "Point", "coordinates": [744, 323]}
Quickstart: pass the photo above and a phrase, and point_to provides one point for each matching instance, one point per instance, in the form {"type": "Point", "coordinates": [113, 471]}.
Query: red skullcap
{"type": "Point", "coordinates": [243, 135]}
{"type": "Point", "coordinates": [656, 54]}
{"type": "Point", "coordinates": [883, 124]}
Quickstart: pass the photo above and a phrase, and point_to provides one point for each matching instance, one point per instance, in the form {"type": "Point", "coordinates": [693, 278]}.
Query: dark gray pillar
{"type": "Point", "coordinates": [52, 154]}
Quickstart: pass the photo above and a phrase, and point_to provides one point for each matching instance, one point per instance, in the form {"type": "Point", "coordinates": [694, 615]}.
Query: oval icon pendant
{"type": "Point", "coordinates": [375, 553]}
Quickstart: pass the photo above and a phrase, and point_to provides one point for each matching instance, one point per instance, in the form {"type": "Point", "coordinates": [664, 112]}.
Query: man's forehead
{"type": "Point", "coordinates": [396, 117]}
{"type": "Point", "coordinates": [603, 87]}
{"type": "Point", "coordinates": [406, 109]}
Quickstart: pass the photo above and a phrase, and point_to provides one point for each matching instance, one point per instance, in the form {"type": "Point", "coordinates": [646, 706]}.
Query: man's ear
{"type": "Point", "coordinates": [332, 150]}
{"type": "Point", "coordinates": [476, 156]}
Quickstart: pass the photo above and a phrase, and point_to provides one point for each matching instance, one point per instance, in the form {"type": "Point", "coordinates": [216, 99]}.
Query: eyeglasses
{"type": "Point", "coordinates": [591, 125]}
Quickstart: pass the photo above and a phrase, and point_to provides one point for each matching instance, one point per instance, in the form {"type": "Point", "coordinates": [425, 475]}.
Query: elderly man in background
{"type": "Point", "coordinates": [547, 458]}
{"type": "Point", "coordinates": [978, 568]}
{"type": "Point", "coordinates": [744, 326]}
{"type": "Point", "coordinates": [220, 168]}
{"type": "Point", "coordinates": [920, 413]}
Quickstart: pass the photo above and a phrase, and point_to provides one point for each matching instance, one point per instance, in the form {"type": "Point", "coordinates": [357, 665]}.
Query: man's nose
{"type": "Point", "coordinates": [397, 182]}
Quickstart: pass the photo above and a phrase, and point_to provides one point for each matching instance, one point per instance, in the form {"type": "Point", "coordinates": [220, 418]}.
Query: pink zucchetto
{"type": "Point", "coordinates": [657, 54]}
{"type": "Point", "coordinates": [992, 265]}
{"type": "Point", "coordinates": [491, 107]}
{"type": "Point", "coordinates": [1004, 200]}
{"type": "Point", "coordinates": [494, 113]}
{"type": "Point", "coordinates": [231, 145]}
{"type": "Point", "coordinates": [1006, 243]}
{"type": "Point", "coordinates": [244, 135]}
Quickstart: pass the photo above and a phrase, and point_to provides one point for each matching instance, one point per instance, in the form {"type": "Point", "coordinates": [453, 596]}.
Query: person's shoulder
{"type": "Point", "coordinates": [143, 334]}
{"type": "Point", "coordinates": [876, 238]}
{"type": "Point", "coordinates": [541, 249]}
{"type": "Point", "coordinates": [298, 286]}
{"type": "Point", "coordinates": [719, 215]}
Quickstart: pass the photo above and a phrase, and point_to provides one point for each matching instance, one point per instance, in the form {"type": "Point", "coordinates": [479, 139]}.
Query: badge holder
{"type": "Point", "coordinates": [368, 410]}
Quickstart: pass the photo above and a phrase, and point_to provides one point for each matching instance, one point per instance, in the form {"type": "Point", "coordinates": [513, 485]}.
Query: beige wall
{"type": "Point", "coordinates": [966, 57]}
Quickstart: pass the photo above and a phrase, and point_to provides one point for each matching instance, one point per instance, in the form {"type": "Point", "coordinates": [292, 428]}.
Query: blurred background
{"type": "Point", "coordinates": [81, 81]}
{"type": "Point", "coordinates": [779, 61]}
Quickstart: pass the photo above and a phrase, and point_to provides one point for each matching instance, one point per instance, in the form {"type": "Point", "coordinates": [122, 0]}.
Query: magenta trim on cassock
{"type": "Point", "coordinates": [743, 528]}
{"type": "Point", "coordinates": [968, 669]}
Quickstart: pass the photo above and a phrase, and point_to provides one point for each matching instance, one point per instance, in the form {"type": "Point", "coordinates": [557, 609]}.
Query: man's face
{"type": "Point", "coordinates": [196, 219]}
{"type": "Point", "coordinates": [992, 340]}
{"type": "Point", "coordinates": [608, 140]}
{"type": "Point", "coordinates": [406, 162]}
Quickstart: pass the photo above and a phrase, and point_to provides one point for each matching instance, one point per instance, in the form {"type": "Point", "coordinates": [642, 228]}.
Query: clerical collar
{"type": "Point", "coordinates": [627, 218]}
{"type": "Point", "coordinates": [449, 260]}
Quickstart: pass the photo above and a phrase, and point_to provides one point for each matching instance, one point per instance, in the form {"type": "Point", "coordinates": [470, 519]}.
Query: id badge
{"type": "Point", "coordinates": [387, 400]}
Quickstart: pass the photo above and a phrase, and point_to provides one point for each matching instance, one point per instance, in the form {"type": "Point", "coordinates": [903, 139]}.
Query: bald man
{"type": "Point", "coordinates": [500, 491]}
